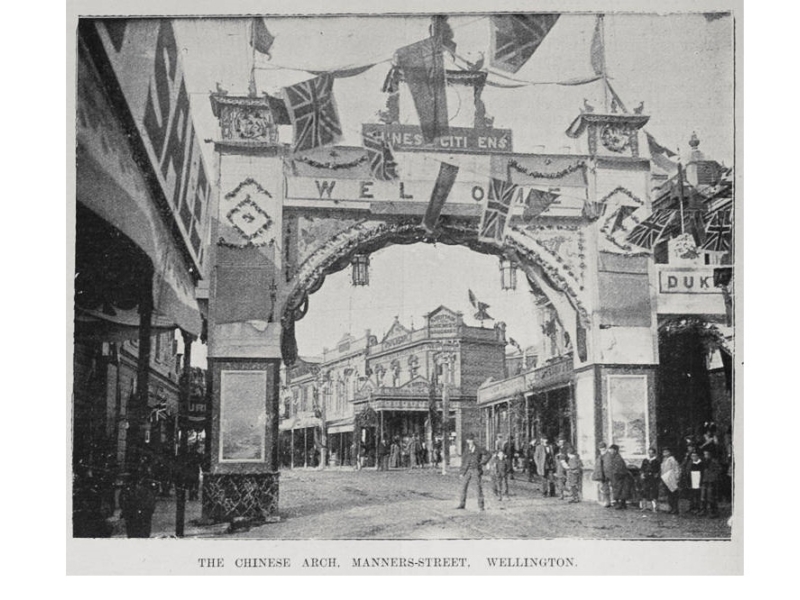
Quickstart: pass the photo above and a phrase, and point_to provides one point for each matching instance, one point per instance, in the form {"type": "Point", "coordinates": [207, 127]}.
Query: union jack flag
{"type": "Point", "coordinates": [516, 37]}
{"type": "Point", "coordinates": [647, 233]}
{"type": "Point", "coordinates": [312, 110]}
{"type": "Point", "coordinates": [381, 159]}
{"type": "Point", "coordinates": [496, 212]}
{"type": "Point", "coordinates": [718, 232]}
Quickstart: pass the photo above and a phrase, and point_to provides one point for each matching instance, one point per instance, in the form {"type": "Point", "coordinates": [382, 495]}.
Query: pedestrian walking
{"type": "Point", "coordinates": [138, 503]}
{"type": "Point", "coordinates": [574, 468]}
{"type": "Point", "coordinates": [394, 454]}
{"type": "Point", "coordinates": [383, 455]}
{"type": "Point", "coordinates": [530, 463]}
{"type": "Point", "coordinates": [621, 478]}
{"type": "Point", "coordinates": [499, 468]}
{"type": "Point", "coordinates": [599, 475]}
{"type": "Point", "coordinates": [472, 463]}
{"type": "Point", "coordinates": [670, 477]}
{"type": "Point", "coordinates": [650, 477]}
{"type": "Point", "coordinates": [544, 457]}
{"type": "Point", "coordinates": [560, 471]}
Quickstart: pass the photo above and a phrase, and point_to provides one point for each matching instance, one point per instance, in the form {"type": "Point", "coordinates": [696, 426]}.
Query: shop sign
{"type": "Point", "coordinates": [408, 138]}
{"type": "Point", "coordinates": [553, 373]}
{"type": "Point", "coordinates": [687, 281]}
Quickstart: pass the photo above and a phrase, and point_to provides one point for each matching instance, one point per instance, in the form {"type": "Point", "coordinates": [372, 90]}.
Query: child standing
{"type": "Point", "coordinates": [650, 475]}
{"type": "Point", "coordinates": [695, 470]}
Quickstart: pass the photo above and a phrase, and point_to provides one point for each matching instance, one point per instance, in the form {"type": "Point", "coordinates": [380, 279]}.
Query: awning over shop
{"type": "Point", "coordinates": [299, 422]}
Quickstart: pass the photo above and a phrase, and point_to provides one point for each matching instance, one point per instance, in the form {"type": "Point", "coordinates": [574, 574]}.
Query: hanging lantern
{"type": "Point", "coordinates": [508, 274]}
{"type": "Point", "coordinates": [360, 264]}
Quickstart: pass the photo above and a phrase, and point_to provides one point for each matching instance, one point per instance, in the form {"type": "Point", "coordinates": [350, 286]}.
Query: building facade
{"type": "Point", "coordinates": [366, 389]}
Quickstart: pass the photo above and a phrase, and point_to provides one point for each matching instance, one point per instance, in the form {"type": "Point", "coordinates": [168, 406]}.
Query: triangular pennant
{"type": "Point", "coordinates": [537, 202]}
{"type": "Point", "coordinates": [423, 70]}
{"type": "Point", "coordinates": [441, 190]}
{"type": "Point", "coordinates": [260, 38]}
{"type": "Point", "coordinates": [516, 37]}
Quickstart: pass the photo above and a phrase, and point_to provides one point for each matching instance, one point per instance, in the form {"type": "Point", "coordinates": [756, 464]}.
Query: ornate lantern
{"type": "Point", "coordinates": [508, 274]}
{"type": "Point", "coordinates": [360, 264]}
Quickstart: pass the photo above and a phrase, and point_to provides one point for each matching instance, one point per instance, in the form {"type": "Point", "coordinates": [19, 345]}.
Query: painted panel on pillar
{"type": "Point", "coordinates": [243, 281]}
{"type": "Point", "coordinates": [627, 399]}
{"type": "Point", "coordinates": [624, 300]}
{"type": "Point", "coordinates": [243, 416]}
{"type": "Point", "coordinates": [584, 409]}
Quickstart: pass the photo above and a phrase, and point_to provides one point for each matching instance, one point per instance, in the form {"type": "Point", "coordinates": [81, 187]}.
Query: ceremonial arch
{"type": "Point", "coordinates": [282, 221]}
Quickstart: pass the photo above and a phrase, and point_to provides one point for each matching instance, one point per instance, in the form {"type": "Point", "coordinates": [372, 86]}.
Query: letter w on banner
{"type": "Point", "coordinates": [312, 110]}
{"type": "Point", "coordinates": [496, 211]}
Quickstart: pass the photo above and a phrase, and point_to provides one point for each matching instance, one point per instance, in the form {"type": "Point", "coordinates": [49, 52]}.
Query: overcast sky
{"type": "Point", "coordinates": [680, 66]}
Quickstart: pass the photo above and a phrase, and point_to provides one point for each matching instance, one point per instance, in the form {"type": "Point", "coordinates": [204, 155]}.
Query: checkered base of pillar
{"type": "Point", "coordinates": [251, 496]}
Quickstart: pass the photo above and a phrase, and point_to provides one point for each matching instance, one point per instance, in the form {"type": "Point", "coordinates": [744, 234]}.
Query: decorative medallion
{"type": "Point", "coordinates": [616, 137]}
{"type": "Point", "coordinates": [246, 216]}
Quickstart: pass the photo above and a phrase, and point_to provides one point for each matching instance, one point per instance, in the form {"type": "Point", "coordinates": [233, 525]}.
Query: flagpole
{"type": "Point", "coordinates": [680, 189]}
{"type": "Point", "coordinates": [253, 91]}
{"type": "Point", "coordinates": [602, 20]}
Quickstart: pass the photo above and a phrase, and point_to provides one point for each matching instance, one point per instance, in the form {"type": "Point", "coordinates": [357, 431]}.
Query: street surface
{"type": "Point", "coordinates": [420, 504]}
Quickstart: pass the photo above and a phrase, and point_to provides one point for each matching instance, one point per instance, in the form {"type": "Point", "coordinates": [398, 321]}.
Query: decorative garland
{"type": "Point", "coordinates": [537, 175]}
{"type": "Point", "coordinates": [222, 242]}
{"type": "Point", "coordinates": [331, 166]}
{"type": "Point", "coordinates": [625, 191]}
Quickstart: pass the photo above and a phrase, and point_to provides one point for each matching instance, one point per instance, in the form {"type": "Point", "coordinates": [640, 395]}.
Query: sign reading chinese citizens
{"type": "Point", "coordinates": [408, 138]}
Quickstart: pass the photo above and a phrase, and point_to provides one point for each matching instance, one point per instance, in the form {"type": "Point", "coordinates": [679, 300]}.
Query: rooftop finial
{"type": "Point", "coordinates": [694, 142]}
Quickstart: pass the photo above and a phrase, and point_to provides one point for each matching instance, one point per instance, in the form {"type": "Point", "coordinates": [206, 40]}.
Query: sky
{"type": "Point", "coordinates": [680, 66]}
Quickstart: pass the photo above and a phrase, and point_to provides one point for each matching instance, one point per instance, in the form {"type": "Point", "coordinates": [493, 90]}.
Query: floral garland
{"type": "Point", "coordinates": [332, 166]}
{"type": "Point", "coordinates": [222, 242]}
{"type": "Point", "coordinates": [538, 175]}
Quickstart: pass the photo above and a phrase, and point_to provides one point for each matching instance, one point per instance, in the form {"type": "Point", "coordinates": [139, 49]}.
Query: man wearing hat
{"type": "Point", "coordinates": [472, 468]}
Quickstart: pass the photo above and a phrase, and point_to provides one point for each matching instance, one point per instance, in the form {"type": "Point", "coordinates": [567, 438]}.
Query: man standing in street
{"type": "Point", "coordinates": [472, 468]}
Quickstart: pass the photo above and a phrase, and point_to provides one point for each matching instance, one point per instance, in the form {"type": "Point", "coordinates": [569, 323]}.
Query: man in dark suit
{"type": "Point", "coordinates": [472, 468]}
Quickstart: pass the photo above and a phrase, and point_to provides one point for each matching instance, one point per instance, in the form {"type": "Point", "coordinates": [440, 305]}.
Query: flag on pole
{"type": "Point", "coordinates": [598, 52]}
{"type": "Point", "coordinates": [260, 37]}
{"type": "Point", "coordinates": [647, 233]}
{"type": "Point", "coordinates": [514, 343]}
{"type": "Point", "coordinates": [423, 70]}
{"type": "Point", "coordinates": [516, 37]}
{"type": "Point", "coordinates": [718, 232]}
{"type": "Point", "coordinates": [496, 210]}
{"type": "Point", "coordinates": [536, 203]}
{"type": "Point", "coordinates": [312, 110]}
{"type": "Point", "coordinates": [441, 190]}
{"type": "Point", "coordinates": [480, 308]}
{"type": "Point", "coordinates": [381, 160]}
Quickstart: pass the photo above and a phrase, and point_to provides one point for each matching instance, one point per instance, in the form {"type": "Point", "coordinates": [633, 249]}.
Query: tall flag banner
{"type": "Point", "coordinates": [719, 231]}
{"type": "Point", "coordinates": [381, 160]}
{"type": "Point", "coordinates": [480, 308]}
{"type": "Point", "coordinates": [536, 203]}
{"type": "Point", "coordinates": [516, 37]}
{"type": "Point", "coordinates": [694, 223]}
{"type": "Point", "coordinates": [496, 211]}
{"type": "Point", "coordinates": [312, 110]}
{"type": "Point", "coordinates": [598, 51]}
{"type": "Point", "coordinates": [260, 37]}
{"type": "Point", "coordinates": [593, 210]}
{"type": "Point", "coordinates": [441, 190]}
{"type": "Point", "coordinates": [423, 70]}
{"type": "Point", "coordinates": [647, 233]}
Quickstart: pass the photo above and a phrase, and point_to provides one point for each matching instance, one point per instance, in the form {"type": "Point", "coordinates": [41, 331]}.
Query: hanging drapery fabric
{"type": "Point", "coordinates": [345, 72]}
{"type": "Point", "coordinates": [260, 38]}
{"type": "Point", "coordinates": [423, 71]}
{"type": "Point", "coordinates": [379, 154]}
{"type": "Point", "coordinates": [441, 190]}
{"type": "Point", "coordinates": [440, 30]}
{"type": "Point", "coordinates": [516, 37]}
{"type": "Point", "coordinates": [496, 211]}
{"type": "Point", "coordinates": [312, 110]}
{"type": "Point", "coordinates": [593, 210]}
{"type": "Point", "coordinates": [647, 233]}
{"type": "Point", "coordinates": [718, 231]}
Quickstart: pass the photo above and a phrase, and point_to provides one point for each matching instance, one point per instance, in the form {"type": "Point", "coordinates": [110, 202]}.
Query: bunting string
{"type": "Point", "coordinates": [330, 165]}
{"type": "Point", "coordinates": [539, 175]}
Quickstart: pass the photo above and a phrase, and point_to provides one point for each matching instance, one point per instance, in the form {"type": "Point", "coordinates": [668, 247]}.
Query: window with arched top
{"type": "Point", "coordinates": [413, 366]}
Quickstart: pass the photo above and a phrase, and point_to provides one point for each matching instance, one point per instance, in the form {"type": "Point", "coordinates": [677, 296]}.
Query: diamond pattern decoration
{"type": "Point", "coordinates": [252, 496]}
{"type": "Point", "coordinates": [249, 219]}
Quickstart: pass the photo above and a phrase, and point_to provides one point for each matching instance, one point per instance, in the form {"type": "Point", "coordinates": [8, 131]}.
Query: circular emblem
{"type": "Point", "coordinates": [616, 138]}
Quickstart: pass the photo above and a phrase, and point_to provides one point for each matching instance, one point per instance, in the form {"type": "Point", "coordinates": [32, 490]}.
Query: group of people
{"type": "Point", "coordinates": [699, 477]}
{"type": "Point", "coordinates": [408, 452]}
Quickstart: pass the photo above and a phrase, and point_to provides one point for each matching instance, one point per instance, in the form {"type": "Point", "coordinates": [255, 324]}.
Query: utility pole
{"type": "Point", "coordinates": [183, 445]}
{"type": "Point", "coordinates": [447, 357]}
